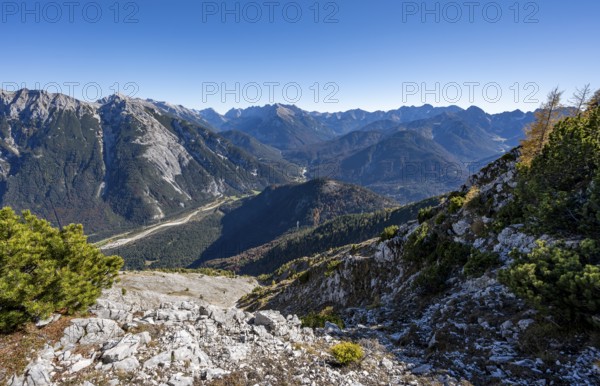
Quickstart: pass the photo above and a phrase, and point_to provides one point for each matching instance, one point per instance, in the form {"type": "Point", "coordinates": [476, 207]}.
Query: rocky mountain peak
{"type": "Point", "coordinates": [37, 104]}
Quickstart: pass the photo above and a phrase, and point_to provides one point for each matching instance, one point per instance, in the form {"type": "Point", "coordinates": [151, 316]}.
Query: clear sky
{"type": "Point", "coordinates": [320, 55]}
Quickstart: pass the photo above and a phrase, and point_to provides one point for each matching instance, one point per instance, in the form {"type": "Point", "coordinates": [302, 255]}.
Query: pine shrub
{"type": "Point", "coordinates": [45, 270]}
{"type": "Point", "coordinates": [562, 281]}
{"type": "Point", "coordinates": [389, 233]}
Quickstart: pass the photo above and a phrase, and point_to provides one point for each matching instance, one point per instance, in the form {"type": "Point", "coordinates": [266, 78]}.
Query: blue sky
{"type": "Point", "coordinates": [499, 55]}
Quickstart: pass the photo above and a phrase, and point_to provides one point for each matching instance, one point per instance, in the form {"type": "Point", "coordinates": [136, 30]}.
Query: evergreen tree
{"type": "Point", "coordinates": [45, 270]}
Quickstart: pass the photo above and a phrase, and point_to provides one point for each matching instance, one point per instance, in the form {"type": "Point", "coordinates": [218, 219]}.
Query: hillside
{"type": "Point", "coordinates": [264, 153]}
{"type": "Point", "coordinates": [410, 160]}
{"type": "Point", "coordinates": [250, 222]}
{"type": "Point", "coordinates": [499, 283]}
{"type": "Point", "coordinates": [340, 231]}
{"type": "Point", "coordinates": [277, 210]}
{"type": "Point", "coordinates": [406, 165]}
{"type": "Point", "coordinates": [183, 329]}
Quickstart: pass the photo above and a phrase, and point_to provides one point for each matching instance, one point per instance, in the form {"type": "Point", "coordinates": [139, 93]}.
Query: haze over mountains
{"type": "Point", "coordinates": [123, 162]}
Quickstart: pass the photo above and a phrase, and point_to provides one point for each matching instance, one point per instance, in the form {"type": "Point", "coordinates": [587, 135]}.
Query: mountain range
{"type": "Point", "coordinates": [121, 162]}
{"type": "Point", "coordinates": [116, 163]}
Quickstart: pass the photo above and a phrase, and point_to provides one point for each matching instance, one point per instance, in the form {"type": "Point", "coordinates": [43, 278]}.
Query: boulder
{"type": "Point", "coordinates": [268, 318]}
{"type": "Point", "coordinates": [80, 365]}
{"type": "Point", "coordinates": [91, 331]}
{"type": "Point", "coordinates": [127, 365]}
{"type": "Point", "coordinates": [125, 347]}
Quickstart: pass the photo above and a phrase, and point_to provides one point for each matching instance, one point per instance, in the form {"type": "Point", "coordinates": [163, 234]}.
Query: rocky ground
{"type": "Point", "coordinates": [180, 329]}
{"type": "Point", "coordinates": [183, 329]}
{"type": "Point", "coordinates": [476, 328]}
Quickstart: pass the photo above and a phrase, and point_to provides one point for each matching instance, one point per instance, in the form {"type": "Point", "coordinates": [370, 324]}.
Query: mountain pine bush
{"type": "Point", "coordinates": [317, 320]}
{"type": "Point", "coordinates": [559, 193]}
{"type": "Point", "coordinates": [389, 233]}
{"type": "Point", "coordinates": [45, 270]}
{"type": "Point", "coordinates": [559, 280]}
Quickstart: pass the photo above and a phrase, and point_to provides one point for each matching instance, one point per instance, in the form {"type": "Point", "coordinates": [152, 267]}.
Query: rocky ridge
{"type": "Point", "coordinates": [475, 327]}
{"type": "Point", "coordinates": [135, 337]}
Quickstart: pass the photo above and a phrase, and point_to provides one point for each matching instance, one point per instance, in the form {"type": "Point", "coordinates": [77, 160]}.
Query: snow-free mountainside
{"type": "Point", "coordinates": [497, 282]}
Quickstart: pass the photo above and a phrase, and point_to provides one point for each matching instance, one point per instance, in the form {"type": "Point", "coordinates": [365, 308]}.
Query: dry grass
{"type": "Point", "coordinates": [155, 330]}
{"type": "Point", "coordinates": [472, 198]}
{"type": "Point", "coordinates": [97, 377]}
{"type": "Point", "coordinates": [21, 346]}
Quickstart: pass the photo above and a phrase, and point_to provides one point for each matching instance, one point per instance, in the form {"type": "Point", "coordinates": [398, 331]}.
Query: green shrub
{"type": "Point", "coordinates": [479, 262]}
{"type": "Point", "coordinates": [332, 266]}
{"type": "Point", "coordinates": [317, 320]}
{"type": "Point", "coordinates": [258, 290]}
{"type": "Point", "coordinates": [511, 213]}
{"type": "Point", "coordinates": [45, 270]}
{"type": "Point", "coordinates": [447, 257]}
{"type": "Point", "coordinates": [472, 199]}
{"type": "Point", "coordinates": [419, 245]}
{"type": "Point", "coordinates": [564, 282]}
{"type": "Point", "coordinates": [440, 218]}
{"type": "Point", "coordinates": [435, 256]}
{"type": "Point", "coordinates": [389, 233]}
{"type": "Point", "coordinates": [425, 214]}
{"type": "Point", "coordinates": [123, 291]}
{"type": "Point", "coordinates": [478, 227]}
{"type": "Point", "coordinates": [264, 278]}
{"type": "Point", "coordinates": [347, 352]}
{"type": "Point", "coordinates": [432, 278]}
{"type": "Point", "coordinates": [456, 203]}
